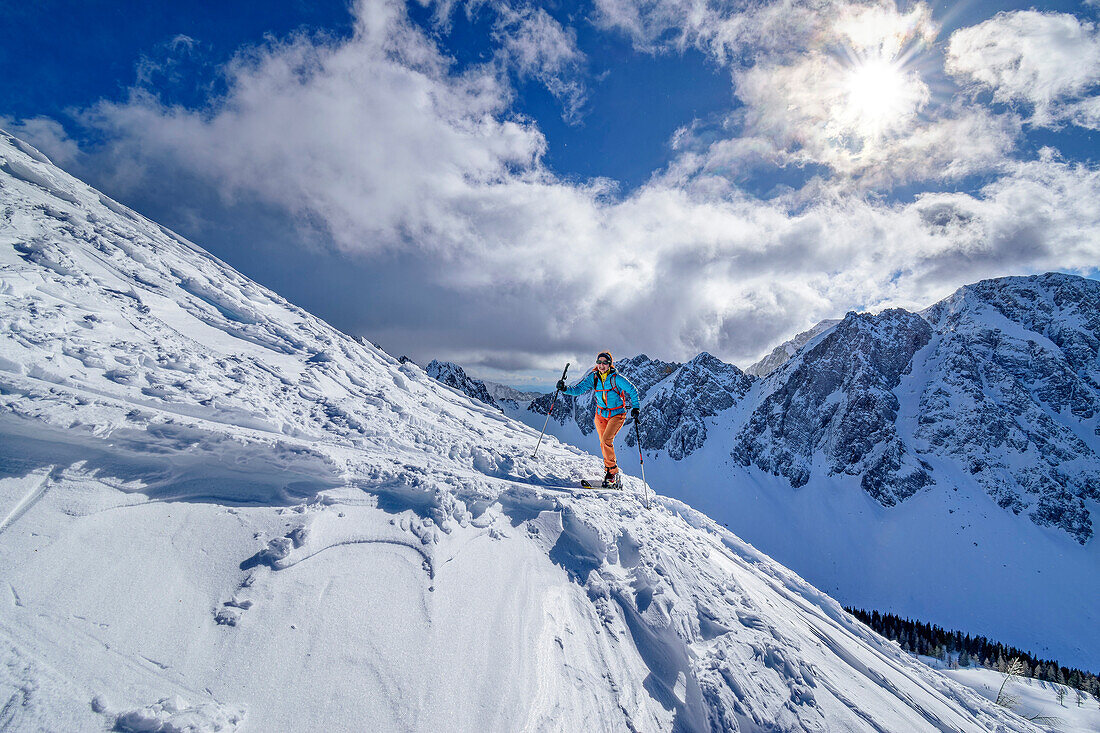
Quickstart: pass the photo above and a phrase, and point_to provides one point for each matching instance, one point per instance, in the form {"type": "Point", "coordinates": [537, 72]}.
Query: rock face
{"type": "Point", "coordinates": [1014, 394]}
{"type": "Point", "coordinates": [675, 409]}
{"type": "Point", "coordinates": [783, 353]}
{"type": "Point", "coordinates": [836, 401]}
{"type": "Point", "coordinates": [1008, 380]}
{"type": "Point", "coordinates": [455, 376]}
{"type": "Point", "coordinates": [1000, 382]}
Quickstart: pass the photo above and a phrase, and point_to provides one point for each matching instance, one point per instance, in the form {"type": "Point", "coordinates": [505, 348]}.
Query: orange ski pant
{"type": "Point", "coordinates": [606, 428]}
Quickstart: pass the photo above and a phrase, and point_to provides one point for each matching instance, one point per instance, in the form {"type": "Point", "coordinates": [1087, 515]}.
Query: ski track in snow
{"type": "Point", "coordinates": [997, 574]}
{"type": "Point", "coordinates": [453, 581]}
{"type": "Point", "coordinates": [32, 497]}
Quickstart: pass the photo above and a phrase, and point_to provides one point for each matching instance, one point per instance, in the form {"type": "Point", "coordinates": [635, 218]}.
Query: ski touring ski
{"type": "Point", "coordinates": [598, 484]}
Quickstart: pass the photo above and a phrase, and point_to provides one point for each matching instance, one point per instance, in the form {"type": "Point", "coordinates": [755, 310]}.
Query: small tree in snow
{"type": "Point", "coordinates": [1061, 695]}
{"type": "Point", "coordinates": [1015, 667]}
{"type": "Point", "coordinates": [1012, 669]}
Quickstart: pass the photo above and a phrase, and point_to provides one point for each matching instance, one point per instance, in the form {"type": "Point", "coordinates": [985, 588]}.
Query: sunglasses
{"type": "Point", "coordinates": [603, 361]}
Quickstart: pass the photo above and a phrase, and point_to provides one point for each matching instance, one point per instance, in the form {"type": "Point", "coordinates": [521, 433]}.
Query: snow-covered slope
{"type": "Point", "coordinates": [972, 427]}
{"type": "Point", "coordinates": [219, 513]}
{"type": "Point", "coordinates": [1054, 706]}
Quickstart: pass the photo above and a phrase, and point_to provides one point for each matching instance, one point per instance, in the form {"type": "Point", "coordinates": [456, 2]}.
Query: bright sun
{"type": "Point", "coordinates": [878, 97]}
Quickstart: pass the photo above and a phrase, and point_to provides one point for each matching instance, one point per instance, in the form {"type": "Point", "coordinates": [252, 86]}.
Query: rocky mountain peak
{"type": "Point", "coordinates": [782, 353]}
{"type": "Point", "coordinates": [644, 372]}
{"type": "Point", "coordinates": [674, 411]}
{"type": "Point", "coordinates": [1017, 394]}
{"type": "Point", "coordinates": [833, 409]}
{"type": "Point", "coordinates": [455, 376]}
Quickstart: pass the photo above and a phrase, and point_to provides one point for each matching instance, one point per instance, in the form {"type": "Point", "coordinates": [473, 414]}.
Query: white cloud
{"type": "Point", "coordinates": [45, 134]}
{"type": "Point", "coordinates": [723, 29]}
{"type": "Point", "coordinates": [531, 43]}
{"type": "Point", "coordinates": [166, 59]}
{"type": "Point", "coordinates": [368, 135]}
{"type": "Point", "coordinates": [420, 176]}
{"type": "Point", "coordinates": [1041, 59]}
{"type": "Point", "coordinates": [838, 84]}
{"type": "Point", "coordinates": [740, 32]}
{"type": "Point", "coordinates": [538, 46]}
{"type": "Point", "coordinates": [808, 108]}
{"type": "Point", "coordinates": [853, 98]}
{"type": "Point", "coordinates": [960, 143]}
{"type": "Point", "coordinates": [1085, 113]}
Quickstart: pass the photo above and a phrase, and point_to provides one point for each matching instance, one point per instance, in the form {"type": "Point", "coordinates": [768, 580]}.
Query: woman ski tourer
{"type": "Point", "coordinates": [614, 396]}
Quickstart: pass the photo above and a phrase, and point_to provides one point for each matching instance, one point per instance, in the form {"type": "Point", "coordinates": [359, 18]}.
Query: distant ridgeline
{"type": "Point", "coordinates": [971, 651]}
{"type": "Point", "coordinates": [998, 383]}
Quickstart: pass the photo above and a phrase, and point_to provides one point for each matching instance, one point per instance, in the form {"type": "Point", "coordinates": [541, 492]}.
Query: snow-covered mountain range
{"type": "Point", "coordinates": [455, 376]}
{"type": "Point", "coordinates": [781, 354]}
{"type": "Point", "coordinates": [988, 402]}
{"type": "Point", "coordinates": [220, 513]}
{"type": "Point", "coordinates": [1007, 378]}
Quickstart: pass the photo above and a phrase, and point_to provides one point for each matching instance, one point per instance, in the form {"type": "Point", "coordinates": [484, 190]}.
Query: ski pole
{"type": "Point", "coordinates": [547, 420]}
{"type": "Point", "coordinates": [638, 435]}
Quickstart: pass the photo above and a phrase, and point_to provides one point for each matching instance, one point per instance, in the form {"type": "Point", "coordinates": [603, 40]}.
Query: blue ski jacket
{"type": "Point", "coordinates": [614, 395]}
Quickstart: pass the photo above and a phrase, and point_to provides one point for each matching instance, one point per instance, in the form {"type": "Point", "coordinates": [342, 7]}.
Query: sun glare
{"type": "Point", "coordinates": [878, 96]}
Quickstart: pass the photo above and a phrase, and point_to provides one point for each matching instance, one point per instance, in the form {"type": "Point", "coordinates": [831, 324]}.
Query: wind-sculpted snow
{"type": "Point", "coordinates": [222, 514]}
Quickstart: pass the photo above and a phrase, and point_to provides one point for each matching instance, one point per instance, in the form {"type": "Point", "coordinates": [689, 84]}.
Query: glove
{"type": "Point", "coordinates": [561, 385]}
{"type": "Point", "coordinates": [634, 412]}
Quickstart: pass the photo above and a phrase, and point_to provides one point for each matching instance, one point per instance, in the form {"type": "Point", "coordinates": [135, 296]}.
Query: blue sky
{"type": "Point", "coordinates": [512, 185]}
{"type": "Point", "coordinates": [94, 50]}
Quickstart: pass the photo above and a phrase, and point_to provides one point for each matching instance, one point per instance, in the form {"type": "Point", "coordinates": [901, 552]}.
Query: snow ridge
{"type": "Point", "coordinates": [251, 516]}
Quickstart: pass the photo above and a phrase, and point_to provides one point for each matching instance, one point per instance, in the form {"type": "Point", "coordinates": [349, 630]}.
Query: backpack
{"type": "Point", "coordinates": [611, 388]}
